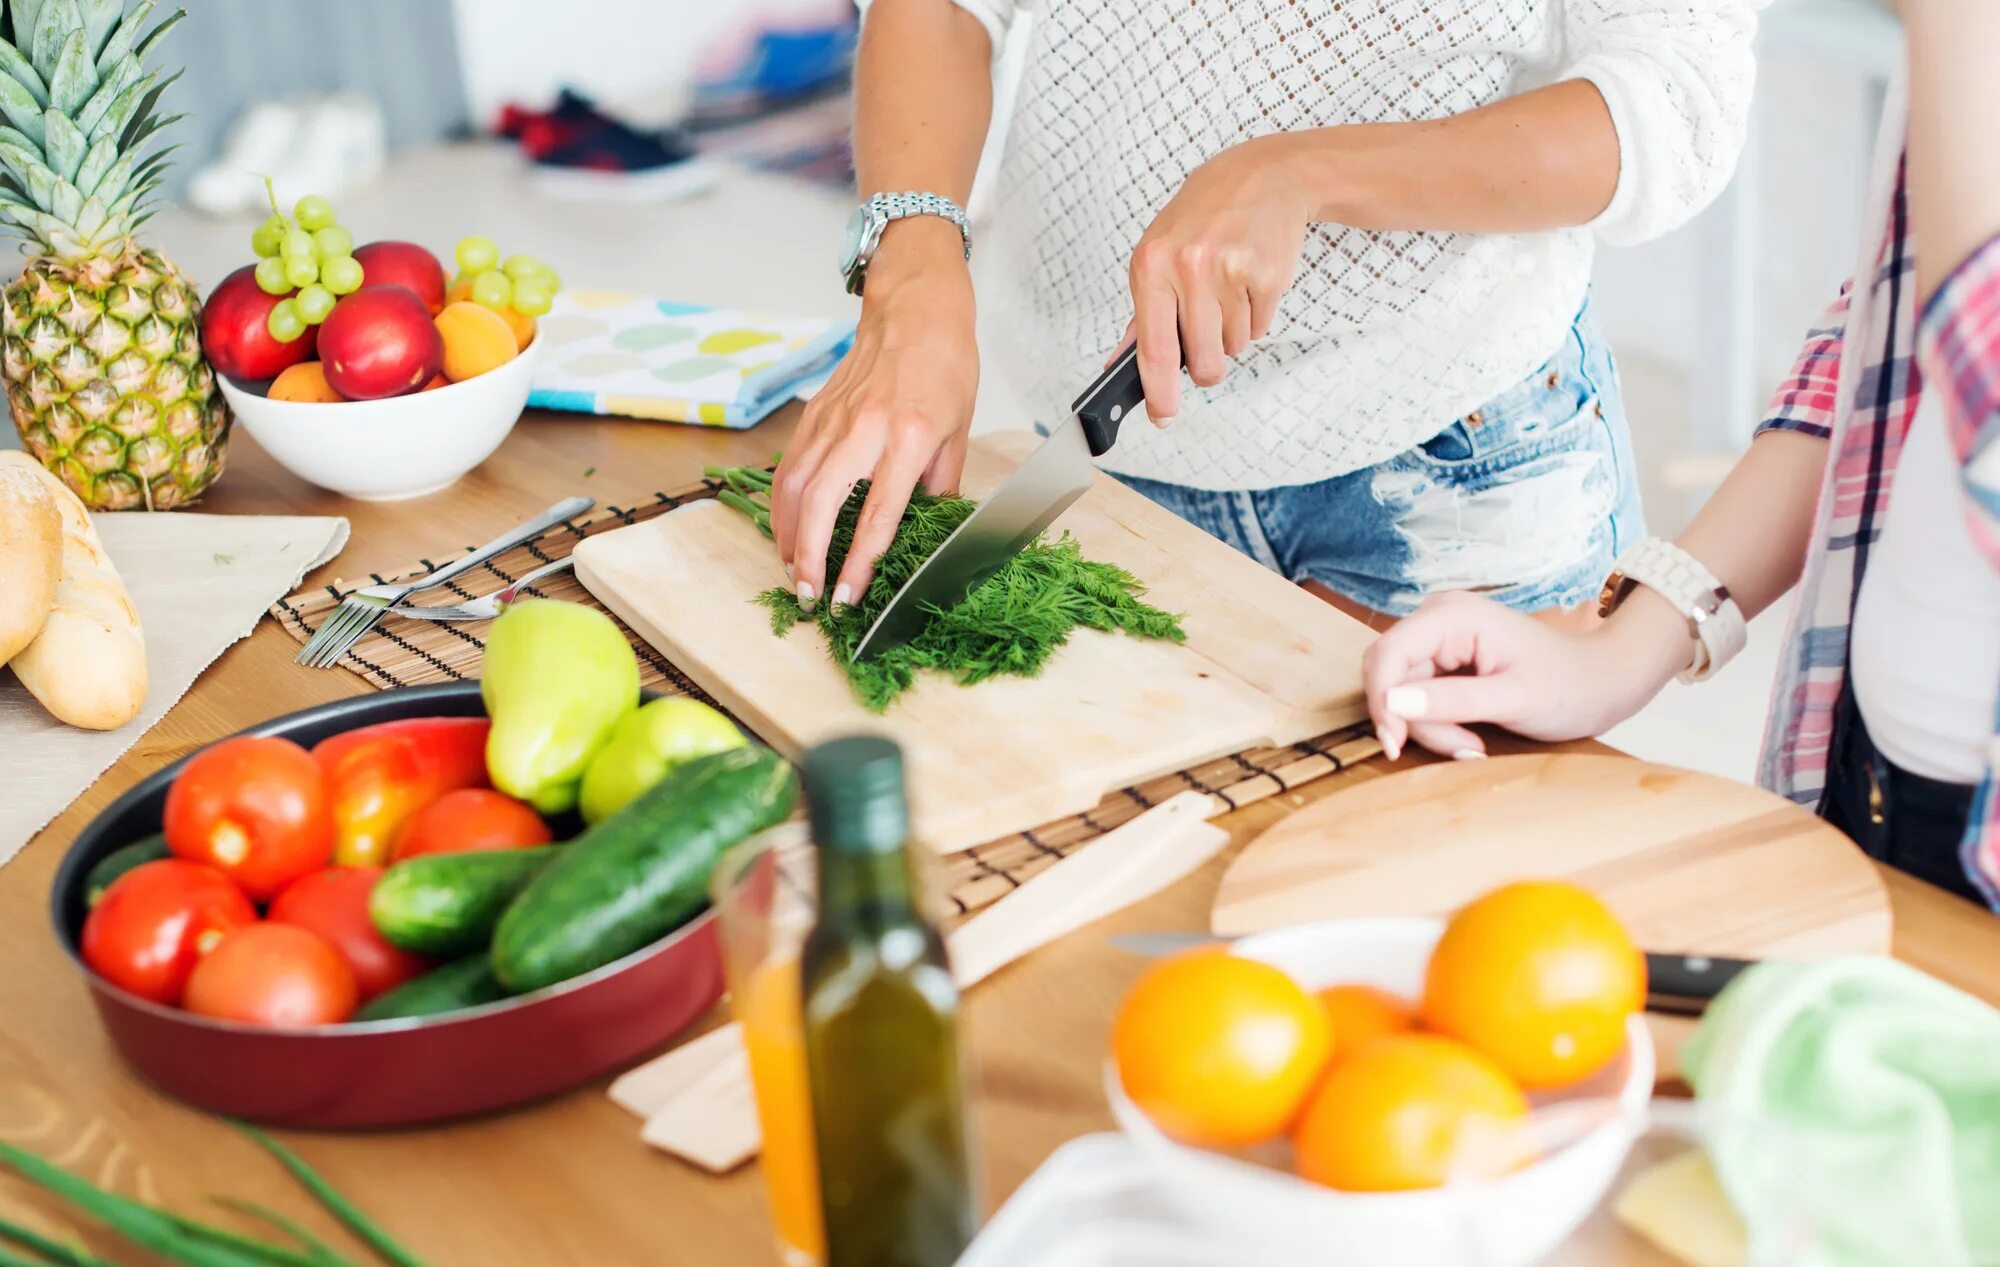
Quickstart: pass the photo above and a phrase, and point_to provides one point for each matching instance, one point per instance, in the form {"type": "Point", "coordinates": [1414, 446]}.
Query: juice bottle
{"type": "Point", "coordinates": [881, 1032]}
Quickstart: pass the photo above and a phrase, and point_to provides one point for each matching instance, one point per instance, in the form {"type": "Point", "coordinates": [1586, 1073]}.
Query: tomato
{"type": "Point", "coordinates": [156, 921]}
{"type": "Point", "coordinates": [468, 820]}
{"type": "Point", "coordinates": [253, 808]}
{"type": "Point", "coordinates": [334, 904]}
{"type": "Point", "coordinates": [379, 775]}
{"type": "Point", "coordinates": [273, 974]}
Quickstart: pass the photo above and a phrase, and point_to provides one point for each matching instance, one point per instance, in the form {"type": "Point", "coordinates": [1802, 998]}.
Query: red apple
{"type": "Point", "coordinates": [235, 337]}
{"type": "Point", "coordinates": [403, 264]}
{"type": "Point", "coordinates": [380, 341]}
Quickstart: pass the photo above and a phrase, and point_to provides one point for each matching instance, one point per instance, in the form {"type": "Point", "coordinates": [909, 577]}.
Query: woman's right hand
{"type": "Point", "coordinates": [1460, 660]}
{"type": "Point", "coordinates": [896, 412]}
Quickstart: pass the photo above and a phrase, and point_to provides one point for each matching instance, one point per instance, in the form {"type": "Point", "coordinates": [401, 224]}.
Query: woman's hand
{"type": "Point", "coordinates": [1208, 273]}
{"type": "Point", "coordinates": [896, 412]}
{"type": "Point", "coordinates": [1461, 659]}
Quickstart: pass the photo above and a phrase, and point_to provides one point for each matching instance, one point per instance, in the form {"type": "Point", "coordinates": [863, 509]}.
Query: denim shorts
{"type": "Point", "coordinates": [1528, 500]}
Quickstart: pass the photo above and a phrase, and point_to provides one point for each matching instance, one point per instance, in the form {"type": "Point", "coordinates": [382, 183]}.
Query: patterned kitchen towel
{"type": "Point", "coordinates": [651, 358]}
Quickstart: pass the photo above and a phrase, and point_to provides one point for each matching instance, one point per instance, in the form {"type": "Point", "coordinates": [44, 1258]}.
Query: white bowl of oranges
{"type": "Point", "coordinates": [1372, 1092]}
{"type": "Point", "coordinates": [359, 368]}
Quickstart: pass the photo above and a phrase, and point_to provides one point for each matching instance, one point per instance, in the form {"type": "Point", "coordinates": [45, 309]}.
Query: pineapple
{"type": "Point", "coordinates": [100, 338]}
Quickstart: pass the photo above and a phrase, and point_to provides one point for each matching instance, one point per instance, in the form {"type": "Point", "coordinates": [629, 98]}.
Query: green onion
{"type": "Point", "coordinates": [256, 1250]}
{"type": "Point", "coordinates": [66, 1255]}
{"type": "Point", "coordinates": [321, 1252]}
{"type": "Point", "coordinates": [135, 1221]}
{"type": "Point", "coordinates": [341, 1208]}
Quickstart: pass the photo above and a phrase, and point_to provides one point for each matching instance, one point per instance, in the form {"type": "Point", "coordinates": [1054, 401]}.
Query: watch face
{"type": "Point", "coordinates": [850, 249]}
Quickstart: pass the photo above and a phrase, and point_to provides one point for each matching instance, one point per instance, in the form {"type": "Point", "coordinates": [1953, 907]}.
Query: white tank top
{"type": "Point", "coordinates": [1925, 658]}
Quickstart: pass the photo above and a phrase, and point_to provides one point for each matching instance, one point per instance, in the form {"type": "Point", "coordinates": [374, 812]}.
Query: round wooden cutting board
{"type": "Point", "coordinates": [1690, 862]}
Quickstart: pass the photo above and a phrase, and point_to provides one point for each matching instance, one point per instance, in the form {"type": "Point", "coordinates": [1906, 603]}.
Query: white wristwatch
{"type": "Point", "coordinates": [1713, 617]}
{"type": "Point", "coordinates": [864, 228]}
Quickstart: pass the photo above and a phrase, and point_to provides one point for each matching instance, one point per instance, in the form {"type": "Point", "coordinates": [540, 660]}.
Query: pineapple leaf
{"type": "Point", "coordinates": [91, 220]}
{"type": "Point", "coordinates": [22, 157]}
{"type": "Point", "coordinates": [65, 144]}
{"type": "Point", "coordinates": [12, 63]}
{"type": "Point", "coordinates": [122, 36]}
{"type": "Point", "coordinates": [22, 110]}
{"type": "Point", "coordinates": [71, 85]}
{"type": "Point", "coordinates": [116, 178]}
{"type": "Point", "coordinates": [99, 17]}
{"type": "Point", "coordinates": [152, 37]}
{"type": "Point", "coordinates": [112, 82]}
{"type": "Point", "coordinates": [54, 24]}
{"type": "Point", "coordinates": [126, 104]}
{"type": "Point", "coordinates": [24, 23]}
{"type": "Point", "coordinates": [68, 202]}
{"type": "Point", "coordinates": [144, 122]}
{"type": "Point", "coordinates": [97, 160]}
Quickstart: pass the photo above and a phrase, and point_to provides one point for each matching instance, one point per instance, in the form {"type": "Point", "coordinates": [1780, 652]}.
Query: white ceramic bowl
{"type": "Point", "coordinates": [1511, 1221]}
{"type": "Point", "coordinates": [387, 450]}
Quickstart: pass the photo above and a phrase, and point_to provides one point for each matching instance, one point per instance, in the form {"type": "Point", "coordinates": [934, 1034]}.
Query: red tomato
{"type": "Point", "coordinates": [273, 974]}
{"type": "Point", "coordinates": [156, 921]}
{"type": "Point", "coordinates": [334, 904]}
{"type": "Point", "coordinates": [253, 808]}
{"type": "Point", "coordinates": [468, 820]}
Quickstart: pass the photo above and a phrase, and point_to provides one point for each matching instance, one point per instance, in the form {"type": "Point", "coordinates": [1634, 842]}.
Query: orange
{"type": "Point", "coordinates": [1398, 1113]}
{"type": "Point", "coordinates": [476, 340]}
{"type": "Point", "coordinates": [1539, 976]}
{"type": "Point", "coordinates": [1219, 1051]}
{"type": "Point", "coordinates": [1361, 1014]}
{"type": "Point", "coordinates": [305, 383]}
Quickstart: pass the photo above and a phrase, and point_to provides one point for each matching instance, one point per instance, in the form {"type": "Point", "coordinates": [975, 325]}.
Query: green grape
{"type": "Point", "coordinates": [301, 272]}
{"type": "Point", "coordinates": [533, 296]}
{"type": "Point", "coordinates": [314, 302]}
{"type": "Point", "coordinates": [477, 254]}
{"type": "Point", "coordinates": [269, 236]}
{"type": "Point", "coordinates": [518, 267]}
{"type": "Point", "coordinates": [271, 277]}
{"type": "Point", "coordinates": [297, 245]}
{"type": "Point", "coordinates": [333, 242]}
{"type": "Point", "coordinates": [554, 280]}
{"type": "Point", "coordinates": [285, 323]}
{"type": "Point", "coordinates": [341, 275]}
{"type": "Point", "coordinates": [314, 213]}
{"type": "Point", "coordinates": [491, 289]}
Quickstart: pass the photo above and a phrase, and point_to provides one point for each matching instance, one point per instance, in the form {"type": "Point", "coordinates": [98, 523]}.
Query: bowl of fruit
{"type": "Point", "coordinates": [425, 902]}
{"type": "Point", "coordinates": [1380, 1085]}
{"type": "Point", "coordinates": [361, 368]}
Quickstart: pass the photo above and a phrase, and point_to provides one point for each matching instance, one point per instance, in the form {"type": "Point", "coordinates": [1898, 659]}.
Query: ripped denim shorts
{"type": "Point", "coordinates": [1528, 500]}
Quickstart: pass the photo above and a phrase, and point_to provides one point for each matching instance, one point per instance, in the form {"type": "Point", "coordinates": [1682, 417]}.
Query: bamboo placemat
{"type": "Point", "coordinates": [415, 653]}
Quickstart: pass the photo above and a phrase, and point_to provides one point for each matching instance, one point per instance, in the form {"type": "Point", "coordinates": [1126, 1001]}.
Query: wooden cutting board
{"type": "Point", "coordinates": [1264, 662]}
{"type": "Point", "coordinates": [1690, 862]}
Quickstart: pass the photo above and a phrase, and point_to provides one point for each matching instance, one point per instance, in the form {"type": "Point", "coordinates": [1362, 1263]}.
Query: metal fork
{"type": "Point", "coordinates": [359, 611]}
{"type": "Point", "coordinates": [487, 606]}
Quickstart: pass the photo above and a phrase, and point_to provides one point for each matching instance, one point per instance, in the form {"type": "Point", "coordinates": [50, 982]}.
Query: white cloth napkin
{"type": "Point", "coordinates": [200, 582]}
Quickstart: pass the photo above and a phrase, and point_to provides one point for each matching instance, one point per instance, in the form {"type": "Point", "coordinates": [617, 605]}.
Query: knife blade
{"type": "Point", "coordinates": [1676, 984]}
{"type": "Point", "coordinates": [1007, 522]}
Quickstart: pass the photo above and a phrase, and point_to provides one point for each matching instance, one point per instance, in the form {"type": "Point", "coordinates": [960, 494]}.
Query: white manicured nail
{"type": "Point", "coordinates": [842, 595]}
{"type": "Point", "coordinates": [805, 592]}
{"type": "Point", "coordinates": [1468, 754]}
{"type": "Point", "coordinates": [1406, 701]}
{"type": "Point", "coordinates": [1163, 423]}
{"type": "Point", "coordinates": [1390, 748]}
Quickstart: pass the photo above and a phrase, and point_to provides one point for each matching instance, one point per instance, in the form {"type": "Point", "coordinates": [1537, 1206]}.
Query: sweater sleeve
{"type": "Point", "coordinates": [1958, 342]}
{"type": "Point", "coordinates": [1677, 76]}
{"type": "Point", "coordinates": [995, 15]}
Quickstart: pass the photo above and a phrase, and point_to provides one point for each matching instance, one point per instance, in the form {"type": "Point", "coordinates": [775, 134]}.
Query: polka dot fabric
{"type": "Point", "coordinates": [1384, 338]}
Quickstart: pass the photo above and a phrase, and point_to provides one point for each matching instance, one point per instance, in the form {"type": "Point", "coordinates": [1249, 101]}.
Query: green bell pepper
{"type": "Point", "coordinates": [558, 678]}
{"type": "Point", "coordinates": [647, 745]}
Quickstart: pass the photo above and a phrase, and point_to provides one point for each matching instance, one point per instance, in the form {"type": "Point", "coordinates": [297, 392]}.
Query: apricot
{"type": "Point", "coordinates": [305, 383]}
{"type": "Point", "coordinates": [437, 382]}
{"type": "Point", "coordinates": [476, 340]}
{"type": "Point", "coordinates": [523, 327]}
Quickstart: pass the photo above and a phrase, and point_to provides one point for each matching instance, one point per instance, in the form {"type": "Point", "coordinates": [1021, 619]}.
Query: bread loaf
{"type": "Point", "coordinates": [88, 663]}
{"type": "Point", "coordinates": [30, 558]}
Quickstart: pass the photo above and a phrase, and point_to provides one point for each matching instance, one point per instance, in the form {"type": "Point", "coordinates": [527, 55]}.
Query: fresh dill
{"type": "Point", "coordinates": [1012, 624]}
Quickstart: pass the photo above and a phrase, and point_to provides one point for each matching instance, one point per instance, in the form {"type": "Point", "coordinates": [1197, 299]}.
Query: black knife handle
{"type": "Point", "coordinates": [1685, 984]}
{"type": "Point", "coordinates": [1104, 404]}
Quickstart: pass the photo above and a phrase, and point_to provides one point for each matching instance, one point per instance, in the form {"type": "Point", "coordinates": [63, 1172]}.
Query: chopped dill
{"type": "Point", "coordinates": [1012, 624]}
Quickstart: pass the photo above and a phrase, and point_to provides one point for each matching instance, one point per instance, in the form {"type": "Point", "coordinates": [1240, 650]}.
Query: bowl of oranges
{"type": "Point", "coordinates": [1371, 1090]}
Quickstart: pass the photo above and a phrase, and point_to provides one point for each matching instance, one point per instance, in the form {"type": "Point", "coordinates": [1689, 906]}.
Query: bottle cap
{"type": "Point", "coordinates": [854, 795]}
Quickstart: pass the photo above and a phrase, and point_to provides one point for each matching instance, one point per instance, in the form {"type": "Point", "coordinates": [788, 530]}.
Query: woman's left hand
{"type": "Point", "coordinates": [1208, 273]}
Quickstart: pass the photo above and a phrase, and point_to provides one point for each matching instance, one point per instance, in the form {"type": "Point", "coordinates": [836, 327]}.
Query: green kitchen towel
{"type": "Point", "coordinates": [1860, 1098]}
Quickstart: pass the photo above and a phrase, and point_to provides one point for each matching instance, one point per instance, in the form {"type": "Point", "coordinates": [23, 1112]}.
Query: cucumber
{"type": "Point", "coordinates": [446, 904]}
{"type": "Point", "coordinates": [463, 983]}
{"type": "Point", "coordinates": [641, 873]}
{"type": "Point", "coordinates": [119, 861]}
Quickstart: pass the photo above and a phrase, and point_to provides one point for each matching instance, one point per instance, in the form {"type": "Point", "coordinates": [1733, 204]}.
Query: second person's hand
{"type": "Point", "coordinates": [896, 412]}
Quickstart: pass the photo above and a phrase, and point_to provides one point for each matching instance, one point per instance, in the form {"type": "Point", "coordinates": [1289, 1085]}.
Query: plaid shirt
{"type": "Point", "coordinates": [1894, 353]}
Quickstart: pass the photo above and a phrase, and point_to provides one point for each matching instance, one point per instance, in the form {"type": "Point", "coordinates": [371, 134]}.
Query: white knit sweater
{"type": "Point", "coordinates": [1384, 338]}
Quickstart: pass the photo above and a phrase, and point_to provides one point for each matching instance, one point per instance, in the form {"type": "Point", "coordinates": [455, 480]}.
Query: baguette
{"type": "Point", "coordinates": [88, 664]}
{"type": "Point", "coordinates": [31, 552]}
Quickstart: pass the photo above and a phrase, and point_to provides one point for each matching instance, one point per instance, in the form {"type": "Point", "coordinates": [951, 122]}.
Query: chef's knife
{"type": "Point", "coordinates": [1028, 501]}
{"type": "Point", "coordinates": [1681, 985]}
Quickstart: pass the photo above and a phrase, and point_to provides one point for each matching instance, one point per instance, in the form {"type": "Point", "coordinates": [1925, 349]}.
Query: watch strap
{"type": "Point", "coordinates": [1713, 617]}
{"type": "Point", "coordinates": [882, 210]}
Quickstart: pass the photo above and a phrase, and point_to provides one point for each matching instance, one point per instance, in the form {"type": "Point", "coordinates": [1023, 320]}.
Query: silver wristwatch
{"type": "Point", "coordinates": [864, 228]}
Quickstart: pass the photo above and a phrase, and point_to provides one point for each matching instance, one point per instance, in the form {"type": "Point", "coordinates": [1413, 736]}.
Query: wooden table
{"type": "Point", "coordinates": [568, 1181]}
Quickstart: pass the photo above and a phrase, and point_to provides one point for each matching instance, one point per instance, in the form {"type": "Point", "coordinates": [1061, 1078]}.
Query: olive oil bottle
{"type": "Point", "coordinates": [881, 1016]}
